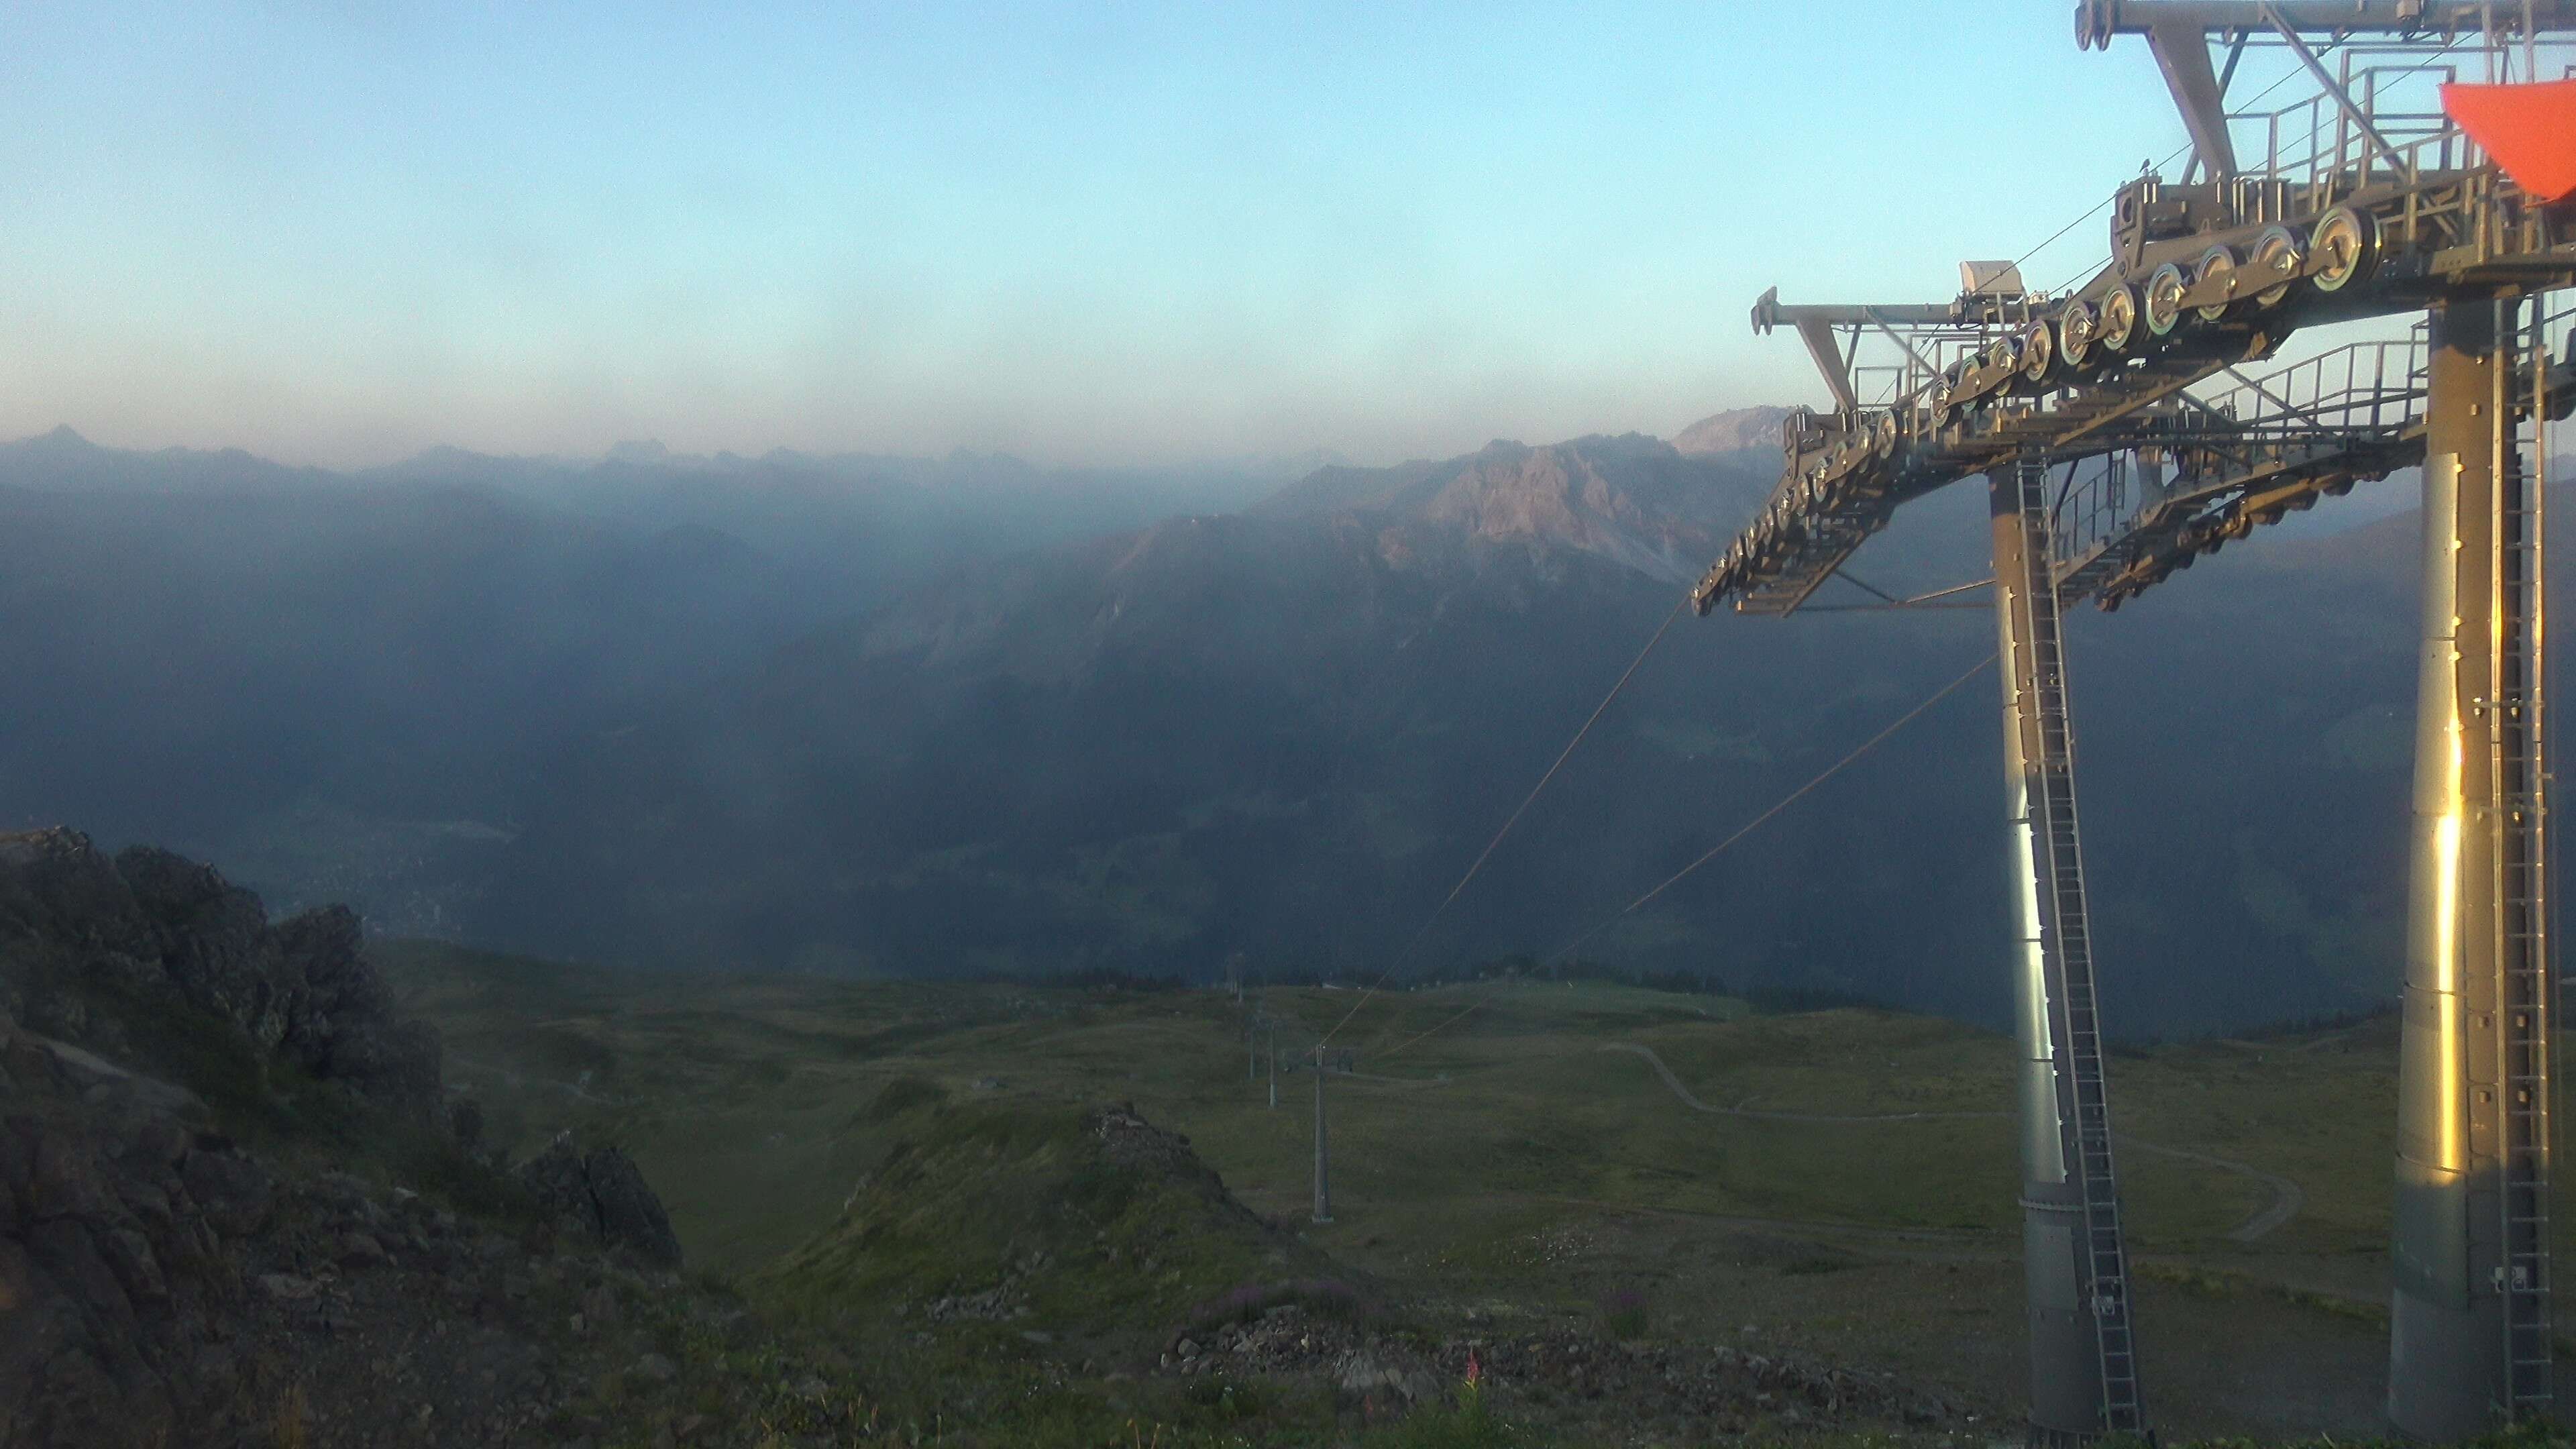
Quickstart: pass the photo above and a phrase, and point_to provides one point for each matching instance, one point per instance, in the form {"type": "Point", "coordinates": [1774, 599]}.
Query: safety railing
{"type": "Point", "coordinates": [2097, 499]}
{"type": "Point", "coordinates": [2353, 400]}
{"type": "Point", "coordinates": [2360, 389]}
{"type": "Point", "coordinates": [2394, 130]}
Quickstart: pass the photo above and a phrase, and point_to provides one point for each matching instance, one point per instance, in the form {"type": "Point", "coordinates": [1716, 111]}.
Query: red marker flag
{"type": "Point", "coordinates": [2529, 129]}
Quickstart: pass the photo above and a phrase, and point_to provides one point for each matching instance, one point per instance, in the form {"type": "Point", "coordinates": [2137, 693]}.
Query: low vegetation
{"type": "Point", "coordinates": [918, 1168]}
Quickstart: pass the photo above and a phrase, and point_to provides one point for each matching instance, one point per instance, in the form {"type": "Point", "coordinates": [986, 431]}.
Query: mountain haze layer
{"type": "Point", "coordinates": [962, 717]}
{"type": "Point", "coordinates": [332, 682]}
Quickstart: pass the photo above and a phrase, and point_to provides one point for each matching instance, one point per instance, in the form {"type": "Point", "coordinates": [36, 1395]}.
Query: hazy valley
{"type": "Point", "coordinates": [885, 718]}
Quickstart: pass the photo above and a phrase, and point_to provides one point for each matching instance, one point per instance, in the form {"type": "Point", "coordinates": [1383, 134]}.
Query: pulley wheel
{"type": "Point", "coordinates": [1956, 385]}
{"type": "Point", "coordinates": [2117, 328]}
{"type": "Point", "coordinates": [2075, 328]}
{"type": "Point", "coordinates": [2038, 353]}
{"type": "Point", "coordinates": [2163, 305]}
{"type": "Point", "coordinates": [2277, 255]}
{"type": "Point", "coordinates": [2216, 265]}
{"type": "Point", "coordinates": [2347, 242]}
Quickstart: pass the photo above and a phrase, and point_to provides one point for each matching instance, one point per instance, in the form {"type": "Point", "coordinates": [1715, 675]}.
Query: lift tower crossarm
{"type": "Point", "coordinates": [1815, 324]}
{"type": "Point", "coordinates": [2177, 33]}
{"type": "Point", "coordinates": [2096, 21]}
{"type": "Point", "coordinates": [2359, 118]}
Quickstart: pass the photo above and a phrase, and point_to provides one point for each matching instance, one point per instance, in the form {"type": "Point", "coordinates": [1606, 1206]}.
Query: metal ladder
{"type": "Point", "coordinates": [2052, 807]}
{"type": "Point", "coordinates": [2519, 821]}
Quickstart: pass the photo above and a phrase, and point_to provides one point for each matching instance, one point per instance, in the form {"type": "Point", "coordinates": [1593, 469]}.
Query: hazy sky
{"type": "Point", "coordinates": [1096, 233]}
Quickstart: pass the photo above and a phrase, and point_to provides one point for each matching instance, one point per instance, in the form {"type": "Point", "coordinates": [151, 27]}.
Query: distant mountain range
{"type": "Point", "coordinates": [967, 715]}
{"type": "Point", "coordinates": [1633, 500]}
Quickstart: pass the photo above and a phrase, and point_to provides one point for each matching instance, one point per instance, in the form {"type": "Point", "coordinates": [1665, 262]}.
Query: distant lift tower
{"type": "Point", "coordinates": [2120, 439]}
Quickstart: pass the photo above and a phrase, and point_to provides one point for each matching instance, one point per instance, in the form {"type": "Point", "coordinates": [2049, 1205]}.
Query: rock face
{"type": "Point", "coordinates": [155, 927]}
{"type": "Point", "coordinates": [160, 1285]}
{"type": "Point", "coordinates": [116, 1226]}
{"type": "Point", "coordinates": [1637, 501]}
{"type": "Point", "coordinates": [603, 1194]}
{"type": "Point", "coordinates": [1741, 430]}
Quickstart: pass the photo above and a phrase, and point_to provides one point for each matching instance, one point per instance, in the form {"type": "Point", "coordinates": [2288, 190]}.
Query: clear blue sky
{"type": "Point", "coordinates": [1101, 233]}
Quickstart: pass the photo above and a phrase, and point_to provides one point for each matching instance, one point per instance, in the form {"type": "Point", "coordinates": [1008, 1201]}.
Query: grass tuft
{"type": "Point", "coordinates": [1467, 1422]}
{"type": "Point", "coordinates": [1623, 1313]}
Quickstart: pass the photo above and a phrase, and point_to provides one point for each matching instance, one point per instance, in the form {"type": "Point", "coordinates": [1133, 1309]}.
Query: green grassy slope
{"type": "Point", "coordinates": [1517, 1161]}
{"type": "Point", "coordinates": [743, 1095]}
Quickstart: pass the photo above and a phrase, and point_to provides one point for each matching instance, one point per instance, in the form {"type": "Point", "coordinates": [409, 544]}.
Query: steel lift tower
{"type": "Point", "coordinates": [2120, 439]}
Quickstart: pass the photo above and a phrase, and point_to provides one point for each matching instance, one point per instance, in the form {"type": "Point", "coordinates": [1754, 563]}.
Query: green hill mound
{"type": "Point", "coordinates": [1086, 1223]}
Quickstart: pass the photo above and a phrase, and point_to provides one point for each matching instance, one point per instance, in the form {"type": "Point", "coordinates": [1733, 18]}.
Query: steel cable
{"type": "Point", "coordinates": [1836, 768]}
{"type": "Point", "coordinates": [1487, 853]}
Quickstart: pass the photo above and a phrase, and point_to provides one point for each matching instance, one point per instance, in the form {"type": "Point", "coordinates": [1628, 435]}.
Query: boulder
{"type": "Point", "coordinates": [604, 1194]}
{"type": "Point", "coordinates": [232, 1192]}
{"type": "Point", "coordinates": [345, 1025]}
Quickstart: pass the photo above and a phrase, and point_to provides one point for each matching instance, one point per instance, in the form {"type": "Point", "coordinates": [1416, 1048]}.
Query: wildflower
{"type": "Point", "coordinates": [1475, 1371]}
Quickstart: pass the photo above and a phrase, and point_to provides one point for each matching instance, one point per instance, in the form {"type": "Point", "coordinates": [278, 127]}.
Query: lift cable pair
{"type": "Point", "coordinates": [1836, 768]}
{"type": "Point", "coordinates": [1488, 852]}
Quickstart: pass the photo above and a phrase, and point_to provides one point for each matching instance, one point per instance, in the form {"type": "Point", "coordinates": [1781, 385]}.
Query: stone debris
{"type": "Point", "coordinates": [1000, 1303]}
{"type": "Point", "coordinates": [1722, 1387]}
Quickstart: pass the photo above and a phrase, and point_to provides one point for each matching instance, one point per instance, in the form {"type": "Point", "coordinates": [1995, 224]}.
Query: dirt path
{"type": "Point", "coordinates": [1395, 1081]}
{"type": "Point", "coordinates": [1696, 1105]}
{"type": "Point", "coordinates": [2287, 1196]}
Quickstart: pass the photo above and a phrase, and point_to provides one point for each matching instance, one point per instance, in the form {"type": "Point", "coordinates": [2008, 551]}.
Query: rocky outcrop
{"type": "Point", "coordinates": [161, 1285]}
{"type": "Point", "coordinates": [209, 937]}
{"type": "Point", "coordinates": [79, 931]}
{"type": "Point", "coordinates": [342, 1024]}
{"type": "Point", "coordinates": [603, 1195]}
{"type": "Point", "coordinates": [114, 1224]}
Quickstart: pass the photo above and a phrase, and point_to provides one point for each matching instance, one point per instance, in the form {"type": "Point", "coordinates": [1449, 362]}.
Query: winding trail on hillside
{"type": "Point", "coordinates": [1696, 1105]}
{"type": "Point", "coordinates": [1394, 1081]}
{"type": "Point", "coordinates": [2287, 1196]}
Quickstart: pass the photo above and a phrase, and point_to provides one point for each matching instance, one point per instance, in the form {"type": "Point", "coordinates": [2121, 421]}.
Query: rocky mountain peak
{"type": "Point", "coordinates": [1633, 499]}
{"type": "Point", "coordinates": [61, 440]}
{"type": "Point", "coordinates": [1737, 430]}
